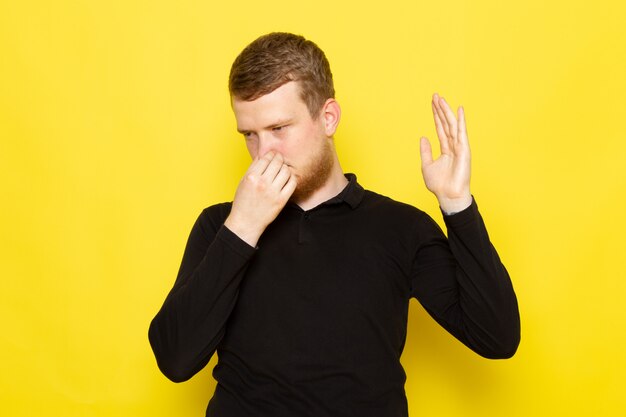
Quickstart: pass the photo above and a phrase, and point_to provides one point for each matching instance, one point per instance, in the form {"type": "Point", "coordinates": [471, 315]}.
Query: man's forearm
{"type": "Point", "coordinates": [487, 297]}
{"type": "Point", "coordinates": [190, 324]}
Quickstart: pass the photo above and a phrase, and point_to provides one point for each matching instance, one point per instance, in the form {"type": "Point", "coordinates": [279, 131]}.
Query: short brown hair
{"type": "Point", "coordinates": [277, 58]}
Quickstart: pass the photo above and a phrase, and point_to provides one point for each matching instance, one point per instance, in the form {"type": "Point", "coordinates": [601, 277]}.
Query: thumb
{"type": "Point", "coordinates": [425, 151]}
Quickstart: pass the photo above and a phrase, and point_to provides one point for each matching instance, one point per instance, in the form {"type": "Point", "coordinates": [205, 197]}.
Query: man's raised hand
{"type": "Point", "coordinates": [260, 196]}
{"type": "Point", "coordinates": [448, 177]}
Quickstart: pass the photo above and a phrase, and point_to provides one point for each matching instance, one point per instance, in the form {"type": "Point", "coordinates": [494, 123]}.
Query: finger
{"type": "Point", "coordinates": [440, 113]}
{"type": "Point", "coordinates": [449, 117]}
{"type": "Point", "coordinates": [425, 151]}
{"type": "Point", "coordinates": [273, 167]}
{"type": "Point", "coordinates": [441, 133]}
{"type": "Point", "coordinates": [289, 187]}
{"type": "Point", "coordinates": [259, 165]}
{"type": "Point", "coordinates": [462, 133]}
{"type": "Point", "coordinates": [282, 177]}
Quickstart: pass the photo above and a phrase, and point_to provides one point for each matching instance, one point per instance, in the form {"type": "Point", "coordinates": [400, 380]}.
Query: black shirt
{"type": "Point", "coordinates": [313, 321]}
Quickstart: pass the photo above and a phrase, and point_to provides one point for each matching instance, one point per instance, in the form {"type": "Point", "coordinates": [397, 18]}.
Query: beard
{"type": "Point", "coordinates": [315, 174]}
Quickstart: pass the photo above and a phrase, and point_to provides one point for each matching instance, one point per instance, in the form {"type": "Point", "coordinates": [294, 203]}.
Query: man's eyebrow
{"type": "Point", "coordinates": [281, 122]}
{"type": "Point", "coordinates": [278, 123]}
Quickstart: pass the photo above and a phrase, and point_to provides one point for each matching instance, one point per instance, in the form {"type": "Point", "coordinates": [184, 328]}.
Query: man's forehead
{"type": "Point", "coordinates": [282, 103]}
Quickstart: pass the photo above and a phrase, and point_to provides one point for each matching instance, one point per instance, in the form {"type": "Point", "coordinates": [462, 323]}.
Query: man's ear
{"type": "Point", "coordinates": [331, 114]}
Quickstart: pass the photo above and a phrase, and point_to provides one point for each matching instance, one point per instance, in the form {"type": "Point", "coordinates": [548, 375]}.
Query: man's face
{"type": "Point", "coordinates": [280, 121]}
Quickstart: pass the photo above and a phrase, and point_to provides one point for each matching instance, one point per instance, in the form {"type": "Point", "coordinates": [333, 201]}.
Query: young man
{"type": "Point", "coordinates": [302, 283]}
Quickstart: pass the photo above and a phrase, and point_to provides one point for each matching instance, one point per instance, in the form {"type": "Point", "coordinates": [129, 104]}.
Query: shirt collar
{"type": "Point", "coordinates": [352, 194]}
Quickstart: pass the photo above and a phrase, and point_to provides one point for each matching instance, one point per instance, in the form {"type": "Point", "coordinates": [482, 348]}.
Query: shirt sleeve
{"type": "Point", "coordinates": [187, 329]}
{"type": "Point", "coordinates": [464, 286]}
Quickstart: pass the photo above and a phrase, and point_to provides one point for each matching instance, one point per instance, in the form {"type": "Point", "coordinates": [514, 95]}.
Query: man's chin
{"type": "Point", "coordinates": [311, 180]}
{"type": "Point", "coordinates": [300, 195]}
{"type": "Point", "coordinates": [304, 190]}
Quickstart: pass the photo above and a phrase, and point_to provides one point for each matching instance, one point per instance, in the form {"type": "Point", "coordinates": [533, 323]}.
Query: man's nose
{"type": "Point", "coordinates": [266, 144]}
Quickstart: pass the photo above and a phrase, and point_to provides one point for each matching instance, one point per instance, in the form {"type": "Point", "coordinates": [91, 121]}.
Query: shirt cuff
{"type": "Point", "coordinates": [463, 217]}
{"type": "Point", "coordinates": [235, 242]}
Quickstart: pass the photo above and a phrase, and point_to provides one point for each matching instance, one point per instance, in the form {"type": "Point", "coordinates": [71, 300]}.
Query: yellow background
{"type": "Point", "coordinates": [116, 131]}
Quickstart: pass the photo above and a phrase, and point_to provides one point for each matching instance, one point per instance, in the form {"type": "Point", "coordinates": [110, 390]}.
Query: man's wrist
{"type": "Point", "coordinates": [450, 206]}
{"type": "Point", "coordinates": [248, 234]}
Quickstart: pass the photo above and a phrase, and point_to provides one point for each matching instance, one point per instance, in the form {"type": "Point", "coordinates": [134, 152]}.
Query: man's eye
{"type": "Point", "coordinates": [278, 128]}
